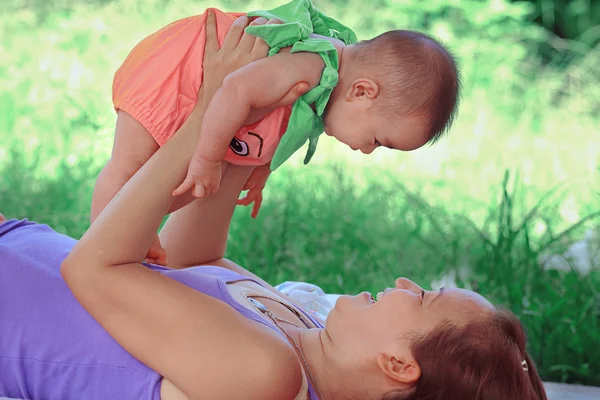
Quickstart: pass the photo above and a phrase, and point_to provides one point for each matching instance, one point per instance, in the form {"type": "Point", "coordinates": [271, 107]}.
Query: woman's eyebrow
{"type": "Point", "coordinates": [437, 297]}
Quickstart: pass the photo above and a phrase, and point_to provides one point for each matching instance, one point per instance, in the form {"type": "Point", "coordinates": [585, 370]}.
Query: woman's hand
{"type": "Point", "coordinates": [239, 49]}
{"type": "Point", "coordinates": [156, 254]}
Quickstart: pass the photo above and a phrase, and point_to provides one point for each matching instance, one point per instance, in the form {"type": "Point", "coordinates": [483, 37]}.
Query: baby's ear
{"type": "Point", "coordinates": [363, 88]}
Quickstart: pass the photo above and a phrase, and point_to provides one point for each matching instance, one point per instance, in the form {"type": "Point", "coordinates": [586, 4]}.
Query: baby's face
{"type": "Point", "coordinates": [361, 128]}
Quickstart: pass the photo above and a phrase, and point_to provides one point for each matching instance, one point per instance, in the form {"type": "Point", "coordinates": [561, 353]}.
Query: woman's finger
{"type": "Point", "coordinates": [235, 33]}
{"type": "Point", "coordinates": [294, 93]}
{"type": "Point", "coordinates": [289, 98]}
{"type": "Point", "coordinates": [261, 48]}
{"type": "Point", "coordinates": [212, 41]}
{"type": "Point", "coordinates": [247, 42]}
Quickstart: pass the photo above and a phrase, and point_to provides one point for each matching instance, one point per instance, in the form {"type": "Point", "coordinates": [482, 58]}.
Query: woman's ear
{"type": "Point", "coordinates": [363, 88]}
{"type": "Point", "coordinates": [400, 368]}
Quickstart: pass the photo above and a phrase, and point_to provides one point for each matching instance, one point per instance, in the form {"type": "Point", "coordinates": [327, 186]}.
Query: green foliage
{"type": "Point", "coordinates": [571, 20]}
{"type": "Point", "coordinates": [349, 222]}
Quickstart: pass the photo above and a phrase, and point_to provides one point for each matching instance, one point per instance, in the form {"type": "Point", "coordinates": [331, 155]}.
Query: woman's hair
{"type": "Point", "coordinates": [485, 359]}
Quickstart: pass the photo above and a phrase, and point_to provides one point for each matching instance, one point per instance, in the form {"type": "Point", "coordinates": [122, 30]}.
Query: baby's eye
{"type": "Point", "coordinates": [377, 143]}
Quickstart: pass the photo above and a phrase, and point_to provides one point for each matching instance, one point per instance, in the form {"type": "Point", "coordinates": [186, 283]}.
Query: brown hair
{"type": "Point", "coordinates": [482, 360]}
{"type": "Point", "coordinates": [418, 77]}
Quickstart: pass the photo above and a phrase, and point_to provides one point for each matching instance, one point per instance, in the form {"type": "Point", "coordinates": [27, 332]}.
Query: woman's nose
{"type": "Point", "coordinates": [403, 283]}
{"type": "Point", "coordinates": [368, 150]}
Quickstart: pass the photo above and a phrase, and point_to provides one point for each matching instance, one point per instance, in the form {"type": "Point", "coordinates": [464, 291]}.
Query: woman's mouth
{"type": "Point", "coordinates": [380, 294]}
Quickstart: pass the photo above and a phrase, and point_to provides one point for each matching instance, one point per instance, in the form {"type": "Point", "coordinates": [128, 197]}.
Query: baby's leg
{"type": "Point", "coordinates": [133, 146]}
{"type": "Point", "coordinates": [197, 234]}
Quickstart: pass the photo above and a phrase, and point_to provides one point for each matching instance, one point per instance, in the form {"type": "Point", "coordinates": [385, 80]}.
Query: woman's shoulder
{"type": "Point", "coordinates": [29, 231]}
{"type": "Point", "coordinates": [279, 375]}
{"type": "Point", "coordinates": [12, 224]}
{"type": "Point", "coordinates": [275, 374]}
{"type": "Point", "coordinates": [26, 243]}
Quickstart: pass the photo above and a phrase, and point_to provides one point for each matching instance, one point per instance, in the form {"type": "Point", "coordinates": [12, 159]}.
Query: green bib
{"type": "Point", "coordinates": [300, 20]}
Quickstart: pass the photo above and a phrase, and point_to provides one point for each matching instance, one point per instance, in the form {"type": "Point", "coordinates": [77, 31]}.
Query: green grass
{"type": "Point", "coordinates": [321, 228]}
{"type": "Point", "coordinates": [516, 177]}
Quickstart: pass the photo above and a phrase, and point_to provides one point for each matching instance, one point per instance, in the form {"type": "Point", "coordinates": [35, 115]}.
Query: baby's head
{"type": "Point", "coordinates": [398, 90]}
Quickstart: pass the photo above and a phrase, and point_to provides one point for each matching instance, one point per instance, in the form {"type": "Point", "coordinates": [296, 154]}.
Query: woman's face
{"type": "Point", "coordinates": [370, 327]}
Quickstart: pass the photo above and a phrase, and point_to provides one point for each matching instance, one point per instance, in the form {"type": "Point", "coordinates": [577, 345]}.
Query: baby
{"type": "Point", "coordinates": [398, 90]}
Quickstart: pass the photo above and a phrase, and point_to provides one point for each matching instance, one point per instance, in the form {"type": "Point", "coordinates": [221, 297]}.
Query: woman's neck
{"type": "Point", "coordinates": [331, 378]}
{"type": "Point", "coordinates": [315, 348]}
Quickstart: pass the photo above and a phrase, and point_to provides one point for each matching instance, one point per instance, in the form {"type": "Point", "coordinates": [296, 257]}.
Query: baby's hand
{"type": "Point", "coordinates": [156, 253]}
{"type": "Point", "coordinates": [203, 177]}
{"type": "Point", "coordinates": [255, 185]}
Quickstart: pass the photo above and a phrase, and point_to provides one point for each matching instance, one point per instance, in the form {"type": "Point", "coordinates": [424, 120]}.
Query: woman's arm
{"type": "Point", "coordinates": [197, 234]}
{"type": "Point", "coordinates": [175, 330]}
{"type": "Point", "coordinates": [182, 334]}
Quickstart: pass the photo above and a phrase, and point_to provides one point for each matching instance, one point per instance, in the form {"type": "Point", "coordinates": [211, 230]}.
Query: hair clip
{"type": "Point", "coordinates": [525, 366]}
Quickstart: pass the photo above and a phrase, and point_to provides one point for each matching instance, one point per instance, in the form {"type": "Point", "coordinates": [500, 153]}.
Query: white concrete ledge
{"type": "Point", "coordinates": [562, 391]}
{"type": "Point", "coordinates": [555, 391]}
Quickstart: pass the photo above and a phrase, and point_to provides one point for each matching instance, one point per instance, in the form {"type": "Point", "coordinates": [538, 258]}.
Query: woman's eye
{"type": "Point", "coordinates": [422, 296]}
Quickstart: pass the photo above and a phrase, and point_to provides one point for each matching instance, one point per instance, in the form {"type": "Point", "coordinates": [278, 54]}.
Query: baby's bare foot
{"type": "Point", "coordinates": [2, 218]}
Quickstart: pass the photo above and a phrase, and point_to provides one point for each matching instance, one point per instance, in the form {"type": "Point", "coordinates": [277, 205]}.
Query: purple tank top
{"type": "Point", "coordinates": [50, 347]}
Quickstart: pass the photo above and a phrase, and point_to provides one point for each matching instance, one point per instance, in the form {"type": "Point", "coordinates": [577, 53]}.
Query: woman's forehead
{"type": "Point", "coordinates": [464, 297]}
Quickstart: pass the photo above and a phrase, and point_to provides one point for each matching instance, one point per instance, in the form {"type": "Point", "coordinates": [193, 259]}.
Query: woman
{"type": "Point", "coordinates": [207, 329]}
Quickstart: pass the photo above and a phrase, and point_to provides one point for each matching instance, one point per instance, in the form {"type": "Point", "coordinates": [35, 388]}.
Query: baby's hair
{"type": "Point", "coordinates": [418, 76]}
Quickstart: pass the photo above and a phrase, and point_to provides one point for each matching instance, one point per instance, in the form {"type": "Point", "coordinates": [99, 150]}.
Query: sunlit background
{"type": "Point", "coordinates": [506, 204]}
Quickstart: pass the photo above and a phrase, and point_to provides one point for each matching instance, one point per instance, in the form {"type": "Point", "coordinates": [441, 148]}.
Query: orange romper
{"type": "Point", "coordinates": [158, 85]}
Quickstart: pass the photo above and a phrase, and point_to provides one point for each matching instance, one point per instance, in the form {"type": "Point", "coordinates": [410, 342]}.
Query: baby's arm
{"type": "Point", "coordinates": [258, 85]}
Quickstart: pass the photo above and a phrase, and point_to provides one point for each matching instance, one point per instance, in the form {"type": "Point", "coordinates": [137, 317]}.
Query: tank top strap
{"type": "Point", "coordinates": [303, 393]}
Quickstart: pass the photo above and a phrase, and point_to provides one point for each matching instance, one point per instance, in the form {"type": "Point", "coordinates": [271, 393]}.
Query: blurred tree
{"type": "Point", "coordinates": [569, 19]}
{"type": "Point", "coordinates": [575, 24]}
